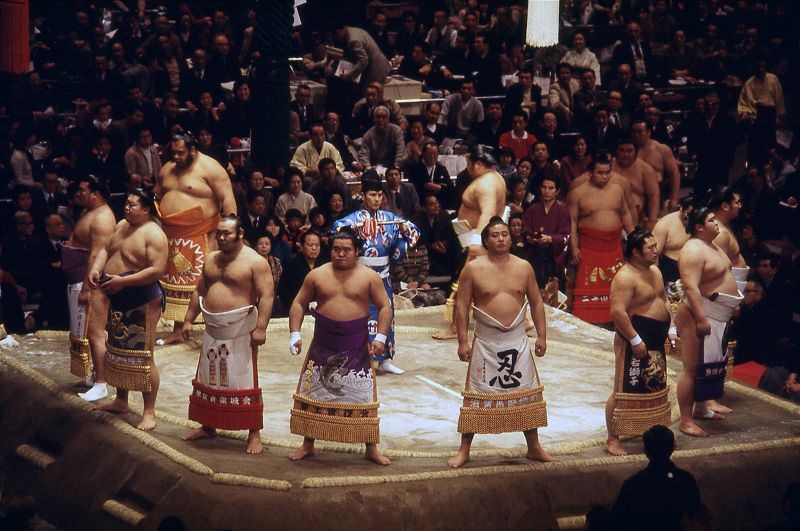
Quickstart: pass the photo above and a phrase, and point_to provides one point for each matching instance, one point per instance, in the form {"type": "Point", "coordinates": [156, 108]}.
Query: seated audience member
{"type": "Point", "coordinates": [505, 164]}
{"type": "Point", "coordinates": [633, 52]}
{"type": "Point", "coordinates": [363, 110]}
{"type": "Point", "coordinates": [524, 169]}
{"type": "Point", "coordinates": [437, 235]}
{"type": "Point", "coordinates": [301, 104]}
{"type": "Point", "coordinates": [336, 207]}
{"type": "Point", "coordinates": [415, 65]}
{"type": "Point", "coordinates": [142, 157]}
{"type": "Point", "coordinates": [280, 249]}
{"type": "Point", "coordinates": [484, 64]}
{"type": "Point", "coordinates": [308, 154]}
{"type": "Point", "coordinates": [383, 143]}
{"type": "Point", "coordinates": [51, 198]}
{"type": "Point", "coordinates": [524, 96]}
{"type": "Point", "coordinates": [208, 145]}
{"type": "Point", "coordinates": [542, 167]}
{"type": "Point", "coordinates": [53, 311]}
{"type": "Point", "coordinates": [588, 98]}
{"type": "Point", "coordinates": [547, 226]}
{"type": "Point", "coordinates": [336, 137]}
{"type": "Point", "coordinates": [298, 267]}
{"type": "Point", "coordinates": [263, 247]}
{"type": "Point", "coordinates": [518, 199]}
{"type": "Point", "coordinates": [294, 222]}
{"type": "Point", "coordinates": [254, 218]}
{"type": "Point", "coordinates": [518, 140]}
{"type": "Point", "coordinates": [461, 112]}
{"type": "Point", "coordinates": [494, 124]}
{"type": "Point", "coordinates": [603, 135]}
{"type": "Point", "coordinates": [401, 198]}
{"type": "Point", "coordinates": [659, 131]}
{"type": "Point", "coordinates": [430, 177]}
{"type": "Point", "coordinates": [627, 87]}
{"type": "Point", "coordinates": [441, 37]}
{"type": "Point", "coordinates": [562, 94]}
{"type": "Point", "coordinates": [256, 182]}
{"type": "Point", "coordinates": [661, 495]}
{"type": "Point", "coordinates": [680, 58]}
{"type": "Point", "coordinates": [294, 197]}
{"type": "Point", "coordinates": [415, 144]}
{"type": "Point", "coordinates": [206, 115]}
{"type": "Point", "coordinates": [519, 245]}
{"type": "Point", "coordinates": [582, 58]}
{"type": "Point", "coordinates": [22, 256]}
{"type": "Point", "coordinates": [617, 115]}
{"type": "Point", "coordinates": [760, 204]}
{"type": "Point", "coordinates": [329, 182]}
{"type": "Point", "coordinates": [549, 133]}
{"type": "Point", "coordinates": [433, 128]}
{"type": "Point", "coordinates": [576, 163]}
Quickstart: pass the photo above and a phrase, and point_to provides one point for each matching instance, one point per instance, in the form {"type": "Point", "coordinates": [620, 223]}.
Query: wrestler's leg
{"type": "Point", "coordinates": [373, 454]}
{"type": "Point", "coordinates": [690, 350]}
{"type": "Point", "coordinates": [450, 332]}
{"type": "Point", "coordinates": [463, 451]}
{"type": "Point", "coordinates": [306, 450]}
{"type": "Point", "coordinates": [176, 336]}
{"type": "Point", "coordinates": [149, 413]}
{"type": "Point", "coordinates": [535, 450]}
{"type": "Point", "coordinates": [613, 444]}
{"type": "Point", "coordinates": [96, 334]}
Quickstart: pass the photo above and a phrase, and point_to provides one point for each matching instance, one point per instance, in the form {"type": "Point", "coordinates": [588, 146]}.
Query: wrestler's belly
{"type": "Point", "coordinates": [176, 200]}
{"type": "Point", "coordinates": [655, 310]}
{"type": "Point", "coordinates": [222, 298]}
{"type": "Point", "coordinates": [118, 264]}
{"type": "Point", "coordinates": [726, 284]}
{"type": "Point", "coordinates": [342, 309]}
{"type": "Point", "coordinates": [503, 307]}
{"type": "Point", "coordinates": [601, 220]}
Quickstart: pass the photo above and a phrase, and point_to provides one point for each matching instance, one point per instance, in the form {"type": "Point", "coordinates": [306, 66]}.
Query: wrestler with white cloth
{"type": "Point", "coordinates": [710, 295]}
{"type": "Point", "coordinates": [484, 198]}
{"type": "Point", "coordinates": [503, 392]}
{"type": "Point", "coordinates": [235, 294]}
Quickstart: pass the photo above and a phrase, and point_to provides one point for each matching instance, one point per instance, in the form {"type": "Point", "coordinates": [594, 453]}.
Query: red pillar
{"type": "Point", "coordinates": [15, 52]}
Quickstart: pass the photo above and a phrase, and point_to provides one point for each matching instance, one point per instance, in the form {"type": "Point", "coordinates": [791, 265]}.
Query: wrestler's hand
{"type": "Point", "coordinates": [186, 331]}
{"type": "Point", "coordinates": [639, 351]}
{"type": "Point", "coordinates": [378, 348]}
{"type": "Point", "coordinates": [576, 256]}
{"type": "Point", "coordinates": [84, 296]}
{"type": "Point", "coordinates": [93, 279]}
{"type": "Point", "coordinates": [540, 347]}
{"type": "Point", "coordinates": [703, 327]}
{"type": "Point", "coordinates": [258, 337]}
{"type": "Point", "coordinates": [295, 344]}
{"type": "Point", "coordinates": [464, 352]}
{"type": "Point", "coordinates": [113, 284]}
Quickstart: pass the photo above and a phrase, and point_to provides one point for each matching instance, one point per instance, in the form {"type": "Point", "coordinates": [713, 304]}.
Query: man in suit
{"type": "Point", "coordinates": [430, 177]}
{"type": "Point", "coordinates": [401, 198]}
{"type": "Point", "coordinates": [254, 218]}
{"type": "Point", "coordinates": [335, 136]}
{"type": "Point", "coordinates": [53, 310]}
{"type": "Point", "coordinates": [199, 79]}
{"type": "Point", "coordinates": [603, 135]}
{"type": "Point", "coordinates": [587, 100]}
{"type": "Point", "coordinates": [617, 116]}
{"type": "Point", "coordinates": [51, 199]}
{"type": "Point", "coordinates": [524, 96]}
{"type": "Point", "coordinates": [304, 109]}
{"type": "Point", "coordinates": [433, 128]}
{"type": "Point", "coordinates": [628, 88]}
{"type": "Point", "coordinates": [142, 157]}
{"type": "Point", "coordinates": [223, 64]}
{"type": "Point", "coordinates": [484, 64]}
{"type": "Point", "coordinates": [365, 54]}
{"type": "Point", "coordinates": [635, 52]}
{"type": "Point", "coordinates": [436, 234]}
{"type": "Point", "coordinates": [713, 137]}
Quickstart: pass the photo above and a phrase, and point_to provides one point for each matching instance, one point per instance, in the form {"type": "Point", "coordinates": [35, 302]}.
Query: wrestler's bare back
{"type": "Point", "coordinates": [135, 248]}
{"type": "Point", "coordinates": [499, 287]}
{"type": "Point", "coordinates": [653, 154]}
{"type": "Point", "coordinates": [230, 281]}
{"type": "Point", "coordinates": [86, 225]}
{"type": "Point", "coordinates": [671, 234]}
{"type": "Point", "coordinates": [642, 292]}
{"type": "Point", "coordinates": [712, 265]}
{"type": "Point", "coordinates": [344, 294]}
{"type": "Point", "coordinates": [599, 208]}
{"type": "Point", "coordinates": [489, 188]}
{"type": "Point", "coordinates": [183, 188]}
{"type": "Point", "coordinates": [638, 176]}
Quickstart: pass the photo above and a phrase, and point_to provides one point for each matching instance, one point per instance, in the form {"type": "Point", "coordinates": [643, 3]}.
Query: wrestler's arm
{"type": "Point", "coordinates": [537, 312]}
{"type": "Point", "coordinates": [674, 174]}
{"type": "Point", "coordinates": [652, 194]}
{"type": "Point", "coordinates": [304, 297]}
{"type": "Point", "coordinates": [194, 306]}
{"type": "Point", "coordinates": [627, 217]}
{"type": "Point", "coordinates": [220, 184]}
{"type": "Point", "coordinates": [265, 294]}
{"type": "Point", "coordinates": [101, 229]}
{"type": "Point", "coordinates": [485, 197]}
{"type": "Point", "coordinates": [620, 297]}
{"type": "Point", "coordinates": [660, 233]}
{"type": "Point", "coordinates": [573, 204]}
{"type": "Point", "coordinates": [378, 297]}
{"type": "Point", "coordinates": [461, 311]}
{"type": "Point", "coordinates": [690, 266]}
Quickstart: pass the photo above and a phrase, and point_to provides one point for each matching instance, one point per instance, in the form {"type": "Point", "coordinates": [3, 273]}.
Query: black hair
{"type": "Point", "coordinates": [551, 177]}
{"type": "Point", "coordinates": [483, 154]}
{"type": "Point", "coordinates": [345, 233]}
{"type": "Point", "coordinates": [371, 184]}
{"type": "Point", "coordinates": [659, 442]}
{"type": "Point", "coordinates": [146, 198]}
{"type": "Point", "coordinates": [636, 241]}
{"type": "Point", "coordinates": [601, 156]}
{"type": "Point", "coordinates": [314, 212]}
{"type": "Point", "coordinates": [774, 259]}
{"type": "Point", "coordinates": [294, 213]}
{"type": "Point", "coordinates": [277, 221]}
{"type": "Point", "coordinates": [686, 202]}
{"type": "Point", "coordinates": [495, 220]}
{"type": "Point", "coordinates": [719, 195]}
{"type": "Point", "coordinates": [291, 172]}
{"type": "Point", "coordinates": [697, 217]}
{"type": "Point", "coordinates": [94, 184]}
{"type": "Point", "coordinates": [187, 139]}
{"type": "Point", "coordinates": [253, 194]}
{"type": "Point", "coordinates": [324, 162]}
{"type": "Point", "coordinates": [310, 232]}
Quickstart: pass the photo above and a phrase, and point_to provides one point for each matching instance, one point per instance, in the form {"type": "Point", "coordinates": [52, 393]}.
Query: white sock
{"type": "Point", "coordinates": [98, 391]}
{"type": "Point", "coordinates": [702, 410]}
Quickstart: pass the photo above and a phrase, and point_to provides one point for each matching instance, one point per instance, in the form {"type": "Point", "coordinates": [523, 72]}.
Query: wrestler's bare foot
{"type": "Point", "coordinates": [450, 333]}
{"type": "Point", "coordinates": [716, 407]}
{"type": "Point", "coordinates": [117, 406]}
{"type": "Point", "coordinates": [148, 422]}
{"type": "Point", "coordinates": [306, 450]}
{"type": "Point", "coordinates": [459, 460]}
{"type": "Point", "coordinates": [373, 454]}
{"type": "Point", "coordinates": [690, 428]}
{"type": "Point", "coordinates": [538, 454]}
{"type": "Point", "coordinates": [171, 339]}
{"type": "Point", "coordinates": [254, 443]}
{"type": "Point", "coordinates": [708, 415]}
{"type": "Point", "coordinates": [614, 446]}
{"type": "Point", "coordinates": [200, 433]}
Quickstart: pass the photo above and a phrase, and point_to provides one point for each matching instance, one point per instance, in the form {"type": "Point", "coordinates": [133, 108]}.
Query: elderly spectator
{"type": "Point", "coordinates": [680, 58]}
{"type": "Point", "coordinates": [335, 136]}
{"type": "Point", "coordinates": [430, 177]}
{"type": "Point", "coordinates": [415, 65]}
{"type": "Point", "coordinates": [461, 112]}
{"type": "Point", "coordinates": [494, 125]}
{"type": "Point", "coordinates": [437, 131]}
{"type": "Point", "coordinates": [295, 197]}
{"type": "Point", "coordinates": [301, 104]}
{"type": "Point", "coordinates": [383, 143]}
{"type": "Point", "coordinates": [581, 57]}
{"type": "Point", "coordinates": [329, 182]}
{"type": "Point", "coordinates": [588, 98]}
{"type": "Point", "coordinates": [223, 63]}
{"type": "Point", "coordinates": [635, 52]}
{"type": "Point", "coordinates": [363, 108]}
{"type": "Point", "coordinates": [627, 87]}
{"type": "Point", "coordinates": [549, 133]}
{"type": "Point", "coordinates": [617, 116]}
{"type": "Point", "coordinates": [22, 255]}
{"type": "Point", "coordinates": [142, 157]}
{"type": "Point", "coordinates": [308, 154]}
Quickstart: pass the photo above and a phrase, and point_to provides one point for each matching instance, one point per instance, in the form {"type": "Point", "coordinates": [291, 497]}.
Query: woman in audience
{"type": "Point", "coordinates": [576, 163]}
{"type": "Point", "coordinates": [280, 248]}
{"type": "Point", "coordinates": [582, 57]}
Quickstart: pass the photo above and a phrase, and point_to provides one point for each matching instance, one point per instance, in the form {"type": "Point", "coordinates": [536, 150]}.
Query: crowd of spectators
{"type": "Point", "coordinates": [710, 82]}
